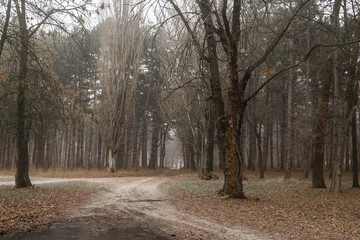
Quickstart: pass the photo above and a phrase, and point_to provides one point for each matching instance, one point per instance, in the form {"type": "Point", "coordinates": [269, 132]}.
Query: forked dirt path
{"type": "Point", "coordinates": [143, 199]}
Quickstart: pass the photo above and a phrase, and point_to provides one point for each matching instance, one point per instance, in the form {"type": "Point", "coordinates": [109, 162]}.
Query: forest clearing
{"type": "Point", "coordinates": [178, 205]}
{"type": "Point", "coordinates": [112, 112]}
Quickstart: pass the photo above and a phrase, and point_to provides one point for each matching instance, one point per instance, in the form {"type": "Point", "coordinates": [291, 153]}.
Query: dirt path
{"type": "Point", "coordinates": [144, 200]}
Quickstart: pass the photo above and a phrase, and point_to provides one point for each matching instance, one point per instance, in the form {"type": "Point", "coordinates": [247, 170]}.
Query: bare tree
{"type": "Point", "coordinates": [42, 14]}
{"type": "Point", "coordinates": [119, 63]}
{"type": "Point", "coordinates": [228, 21]}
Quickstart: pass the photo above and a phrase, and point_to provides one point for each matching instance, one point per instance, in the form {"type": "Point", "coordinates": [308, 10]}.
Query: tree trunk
{"type": "Point", "coordinates": [355, 160]}
{"type": "Point", "coordinates": [259, 150]}
{"type": "Point", "coordinates": [128, 146]}
{"type": "Point", "coordinates": [73, 147]}
{"type": "Point", "coordinates": [266, 152]}
{"type": "Point", "coordinates": [154, 139]}
{"type": "Point", "coordinates": [78, 161]}
{"type": "Point", "coordinates": [272, 147]}
{"type": "Point", "coordinates": [22, 169]}
{"type": "Point", "coordinates": [320, 129]}
{"type": "Point", "coordinates": [347, 155]}
{"type": "Point", "coordinates": [335, 185]}
{"type": "Point", "coordinates": [89, 147]}
{"type": "Point", "coordinates": [99, 152]}
{"type": "Point", "coordinates": [191, 155]}
{"type": "Point", "coordinates": [215, 84]}
{"type": "Point", "coordinates": [207, 156]}
{"type": "Point", "coordinates": [111, 161]}
{"type": "Point", "coordinates": [349, 110]}
{"type": "Point", "coordinates": [252, 149]}
{"type": "Point", "coordinates": [210, 143]}
{"type": "Point", "coordinates": [307, 142]}
{"type": "Point", "coordinates": [164, 132]}
{"type": "Point", "coordinates": [289, 133]}
{"type": "Point", "coordinates": [283, 132]}
{"type": "Point", "coordinates": [136, 148]}
{"type": "Point", "coordinates": [144, 137]}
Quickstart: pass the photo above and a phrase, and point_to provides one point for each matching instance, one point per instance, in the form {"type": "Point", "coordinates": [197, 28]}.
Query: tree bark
{"type": "Point", "coordinates": [144, 135]}
{"type": "Point", "coordinates": [210, 143]}
{"type": "Point", "coordinates": [267, 131]}
{"type": "Point", "coordinates": [259, 150]}
{"type": "Point", "coordinates": [154, 139]}
{"type": "Point", "coordinates": [289, 133]}
{"type": "Point", "coordinates": [355, 160]}
{"type": "Point", "coordinates": [164, 133]}
{"type": "Point", "coordinates": [22, 171]}
{"type": "Point", "coordinates": [111, 161]}
{"type": "Point", "coordinates": [99, 152]}
{"type": "Point", "coordinates": [320, 129]}
{"type": "Point", "coordinates": [88, 164]}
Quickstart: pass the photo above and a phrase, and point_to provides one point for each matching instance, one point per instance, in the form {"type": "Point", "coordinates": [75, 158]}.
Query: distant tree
{"type": "Point", "coordinates": [119, 63]}
{"type": "Point", "coordinates": [23, 40]}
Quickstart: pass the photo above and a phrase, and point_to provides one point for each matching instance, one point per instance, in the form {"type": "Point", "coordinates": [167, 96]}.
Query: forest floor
{"type": "Point", "coordinates": [178, 205]}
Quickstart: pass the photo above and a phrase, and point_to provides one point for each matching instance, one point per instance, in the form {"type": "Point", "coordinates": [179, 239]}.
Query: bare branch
{"type": "Point", "coordinates": [277, 39]}
{"type": "Point", "coordinates": [308, 54]}
{"type": "Point", "coordinates": [5, 27]}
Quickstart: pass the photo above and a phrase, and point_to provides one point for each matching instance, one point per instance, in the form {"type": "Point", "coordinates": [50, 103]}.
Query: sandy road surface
{"type": "Point", "coordinates": [144, 200]}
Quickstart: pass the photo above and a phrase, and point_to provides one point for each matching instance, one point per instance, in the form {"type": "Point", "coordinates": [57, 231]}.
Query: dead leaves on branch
{"type": "Point", "coordinates": [31, 209]}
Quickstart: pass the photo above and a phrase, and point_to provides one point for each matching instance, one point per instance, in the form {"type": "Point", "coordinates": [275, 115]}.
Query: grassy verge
{"type": "Point", "coordinates": [291, 209]}
{"type": "Point", "coordinates": [34, 208]}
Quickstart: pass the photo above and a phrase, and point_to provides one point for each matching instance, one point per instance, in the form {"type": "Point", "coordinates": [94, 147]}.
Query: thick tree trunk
{"type": "Point", "coordinates": [347, 156]}
{"type": "Point", "coordinates": [191, 156]}
{"type": "Point", "coordinates": [111, 161]}
{"type": "Point", "coordinates": [22, 169]}
{"type": "Point", "coordinates": [335, 185]}
{"type": "Point", "coordinates": [164, 132]}
{"type": "Point", "coordinates": [320, 129]}
{"type": "Point", "coordinates": [207, 156]}
{"type": "Point", "coordinates": [210, 143]}
{"type": "Point", "coordinates": [349, 110]}
{"type": "Point", "coordinates": [215, 84]}
{"type": "Point", "coordinates": [120, 155]}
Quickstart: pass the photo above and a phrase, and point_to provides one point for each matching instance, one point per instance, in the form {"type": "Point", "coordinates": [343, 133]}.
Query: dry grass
{"type": "Point", "coordinates": [97, 173]}
{"type": "Point", "coordinates": [289, 208]}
